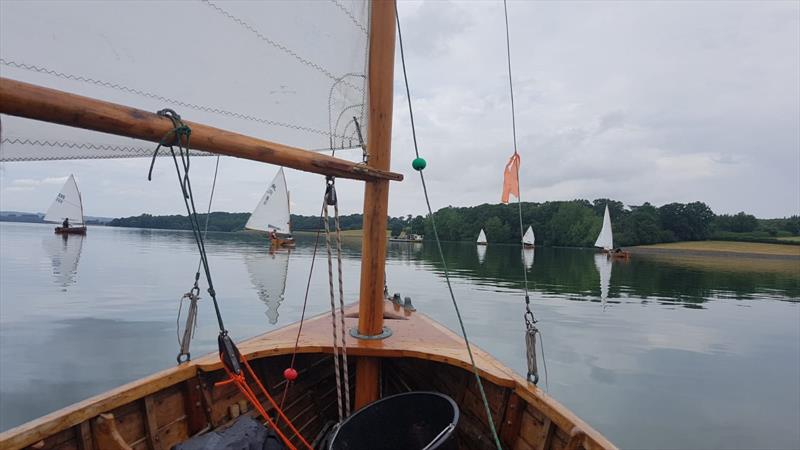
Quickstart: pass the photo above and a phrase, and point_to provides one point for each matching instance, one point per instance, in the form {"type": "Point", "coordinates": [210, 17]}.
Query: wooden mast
{"type": "Point", "coordinates": [51, 105]}
{"type": "Point", "coordinates": [376, 192]}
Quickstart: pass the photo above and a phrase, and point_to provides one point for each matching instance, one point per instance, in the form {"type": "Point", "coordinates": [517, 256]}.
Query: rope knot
{"type": "Point", "coordinates": [179, 135]}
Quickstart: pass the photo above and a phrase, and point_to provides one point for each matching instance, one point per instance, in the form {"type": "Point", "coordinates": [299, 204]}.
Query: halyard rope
{"type": "Point", "coordinates": [330, 198]}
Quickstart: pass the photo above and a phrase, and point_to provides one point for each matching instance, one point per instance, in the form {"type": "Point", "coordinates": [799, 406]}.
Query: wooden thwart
{"type": "Point", "coordinates": [51, 105]}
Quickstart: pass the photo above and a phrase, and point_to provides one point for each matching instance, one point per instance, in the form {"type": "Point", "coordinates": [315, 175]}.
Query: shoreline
{"type": "Point", "coordinates": [721, 249]}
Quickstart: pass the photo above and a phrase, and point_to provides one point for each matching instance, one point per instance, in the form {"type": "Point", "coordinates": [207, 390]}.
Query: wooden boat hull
{"type": "Point", "coordinates": [70, 230]}
{"type": "Point", "coordinates": [282, 242]}
{"type": "Point", "coordinates": [164, 409]}
{"type": "Point", "coordinates": [616, 255]}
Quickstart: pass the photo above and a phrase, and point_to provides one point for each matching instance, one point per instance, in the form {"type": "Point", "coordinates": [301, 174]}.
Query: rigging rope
{"type": "Point", "coordinates": [232, 359]}
{"type": "Point", "coordinates": [240, 380]}
{"type": "Point", "coordinates": [193, 294]}
{"type": "Point", "coordinates": [290, 374]}
{"type": "Point", "coordinates": [530, 320]}
{"type": "Point", "coordinates": [419, 164]}
{"type": "Point", "coordinates": [341, 385]}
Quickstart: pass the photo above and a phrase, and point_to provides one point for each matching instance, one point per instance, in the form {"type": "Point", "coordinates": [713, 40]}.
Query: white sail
{"type": "Point", "coordinates": [528, 254]}
{"type": "Point", "coordinates": [603, 265]}
{"type": "Point", "coordinates": [67, 205]}
{"type": "Point", "coordinates": [481, 237]}
{"type": "Point", "coordinates": [272, 212]}
{"type": "Point", "coordinates": [528, 238]}
{"type": "Point", "coordinates": [304, 79]}
{"type": "Point", "coordinates": [605, 240]}
{"type": "Point", "coordinates": [268, 273]}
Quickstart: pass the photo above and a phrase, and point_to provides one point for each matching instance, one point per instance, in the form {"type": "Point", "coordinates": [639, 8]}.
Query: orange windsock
{"type": "Point", "coordinates": [511, 178]}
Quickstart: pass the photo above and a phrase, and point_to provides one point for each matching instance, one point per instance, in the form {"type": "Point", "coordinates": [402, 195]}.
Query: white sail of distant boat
{"type": "Point", "coordinates": [272, 211]}
{"type": "Point", "coordinates": [603, 265]}
{"type": "Point", "coordinates": [64, 256]}
{"type": "Point", "coordinates": [481, 238]}
{"type": "Point", "coordinates": [605, 240]}
{"type": "Point", "coordinates": [268, 274]}
{"type": "Point", "coordinates": [528, 238]}
{"type": "Point", "coordinates": [481, 253]}
{"type": "Point", "coordinates": [528, 254]}
{"type": "Point", "coordinates": [67, 205]}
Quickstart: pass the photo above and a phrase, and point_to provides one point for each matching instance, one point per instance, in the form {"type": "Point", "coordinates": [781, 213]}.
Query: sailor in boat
{"type": "Point", "coordinates": [65, 223]}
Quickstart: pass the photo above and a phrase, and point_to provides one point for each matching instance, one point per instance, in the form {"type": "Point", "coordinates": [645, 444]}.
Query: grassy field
{"type": "Point", "coordinates": [744, 263]}
{"type": "Point", "coordinates": [790, 239]}
{"type": "Point", "coordinates": [728, 247]}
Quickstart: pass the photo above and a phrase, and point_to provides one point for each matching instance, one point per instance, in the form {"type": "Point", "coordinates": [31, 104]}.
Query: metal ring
{"type": "Point", "coordinates": [377, 337]}
{"type": "Point", "coordinates": [180, 358]}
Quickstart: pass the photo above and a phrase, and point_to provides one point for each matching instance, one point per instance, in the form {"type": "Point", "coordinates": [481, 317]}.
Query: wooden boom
{"type": "Point", "coordinates": [51, 105]}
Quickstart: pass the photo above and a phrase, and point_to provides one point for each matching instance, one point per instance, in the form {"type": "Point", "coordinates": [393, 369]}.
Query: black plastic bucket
{"type": "Point", "coordinates": [409, 421]}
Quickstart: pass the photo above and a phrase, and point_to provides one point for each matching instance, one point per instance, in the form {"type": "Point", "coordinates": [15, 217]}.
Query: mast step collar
{"type": "Point", "coordinates": [377, 337]}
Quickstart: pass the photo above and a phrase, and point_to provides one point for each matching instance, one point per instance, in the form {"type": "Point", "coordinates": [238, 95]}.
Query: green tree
{"type": "Point", "coordinates": [497, 230]}
{"type": "Point", "coordinates": [573, 225]}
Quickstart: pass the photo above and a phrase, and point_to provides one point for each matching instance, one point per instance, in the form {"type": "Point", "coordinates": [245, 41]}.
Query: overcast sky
{"type": "Point", "coordinates": [636, 101]}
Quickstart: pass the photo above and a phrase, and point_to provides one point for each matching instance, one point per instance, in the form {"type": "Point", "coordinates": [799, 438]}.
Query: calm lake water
{"type": "Point", "coordinates": [682, 354]}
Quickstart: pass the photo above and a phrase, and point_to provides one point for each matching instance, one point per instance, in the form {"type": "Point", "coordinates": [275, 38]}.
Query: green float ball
{"type": "Point", "coordinates": [418, 164]}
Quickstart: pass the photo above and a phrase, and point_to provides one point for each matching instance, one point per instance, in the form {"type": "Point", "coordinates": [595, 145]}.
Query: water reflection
{"type": "Point", "coordinates": [603, 264]}
{"type": "Point", "coordinates": [64, 252]}
{"type": "Point", "coordinates": [652, 348]}
{"type": "Point", "coordinates": [577, 275]}
{"type": "Point", "coordinates": [268, 272]}
{"type": "Point", "coordinates": [481, 253]}
{"type": "Point", "coordinates": [528, 255]}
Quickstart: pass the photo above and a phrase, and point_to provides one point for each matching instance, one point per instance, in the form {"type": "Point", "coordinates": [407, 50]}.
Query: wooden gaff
{"type": "Point", "coordinates": [51, 105]}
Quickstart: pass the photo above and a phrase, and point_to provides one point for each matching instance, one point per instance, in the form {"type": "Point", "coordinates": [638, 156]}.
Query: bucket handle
{"type": "Point", "coordinates": [446, 430]}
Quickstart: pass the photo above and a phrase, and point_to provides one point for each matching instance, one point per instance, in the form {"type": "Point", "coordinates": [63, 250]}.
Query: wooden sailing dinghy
{"type": "Point", "coordinates": [67, 209]}
{"type": "Point", "coordinates": [272, 213]}
{"type": "Point", "coordinates": [169, 407]}
{"type": "Point", "coordinates": [481, 238]}
{"type": "Point", "coordinates": [528, 239]}
{"type": "Point", "coordinates": [605, 240]}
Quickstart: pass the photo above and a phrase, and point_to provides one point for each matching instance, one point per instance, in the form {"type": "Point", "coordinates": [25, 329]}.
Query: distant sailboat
{"type": "Point", "coordinates": [272, 213]}
{"type": "Point", "coordinates": [605, 240]}
{"type": "Point", "coordinates": [528, 239]}
{"type": "Point", "coordinates": [268, 273]}
{"type": "Point", "coordinates": [67, 209]}
{"type": "Point", "coordinates": [482, 238]}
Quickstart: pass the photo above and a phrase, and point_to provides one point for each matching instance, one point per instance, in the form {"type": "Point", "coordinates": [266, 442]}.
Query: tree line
{"type": "Point", "coordinates": [574, 223]}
